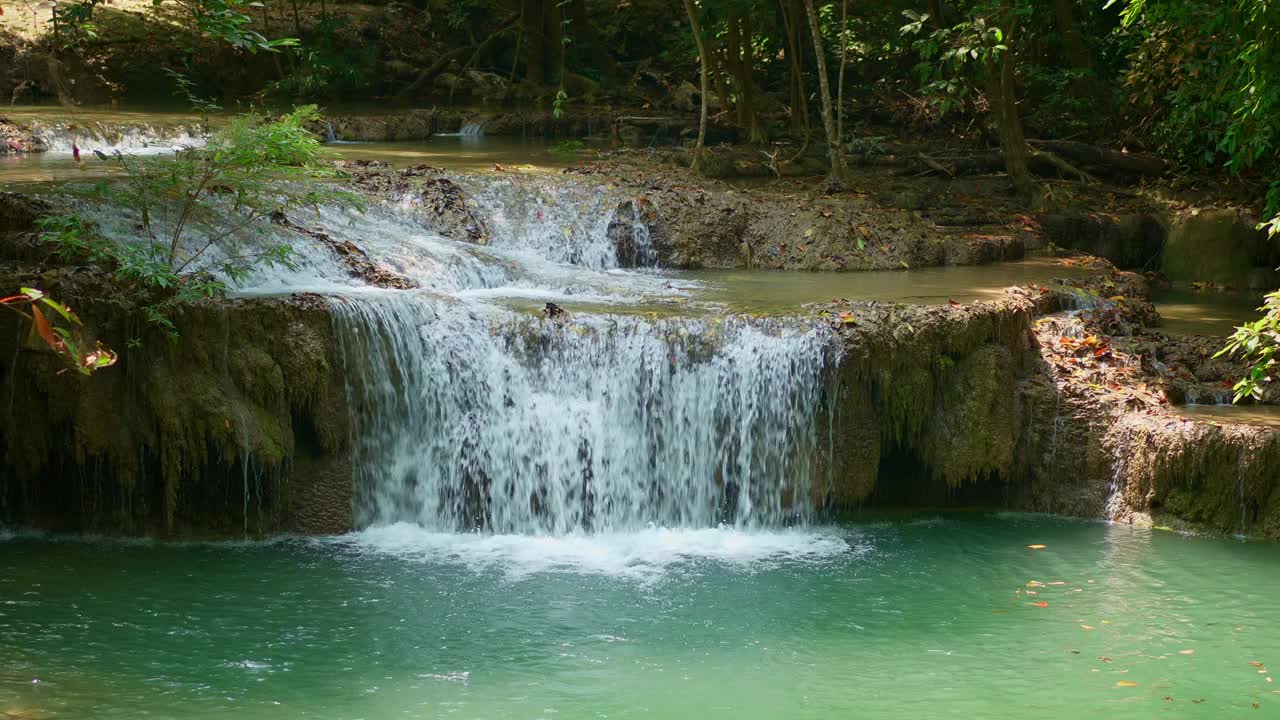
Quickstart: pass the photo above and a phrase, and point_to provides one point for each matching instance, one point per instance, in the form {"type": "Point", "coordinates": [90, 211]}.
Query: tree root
{"type": "Point", "coordinates": [1062, 166]}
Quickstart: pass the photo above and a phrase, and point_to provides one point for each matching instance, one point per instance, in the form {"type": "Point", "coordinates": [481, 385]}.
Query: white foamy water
{"type": "Point", "coordinates": [131, 139]}
{"type": "Point", "coordinates": [468, 416]}
{"type": "Point", "coordinates": [645, 554]}
{"type": "Point", "coordinates": [563, 224]}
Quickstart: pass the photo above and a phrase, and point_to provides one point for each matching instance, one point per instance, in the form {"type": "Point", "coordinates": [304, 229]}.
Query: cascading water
{"type": "Point", "coordinates": [468, 416]}
{"type": "Point", "coordinates": [108, 138]}
{"type": "Point", "coordinates": [472, 413]}
{"type": "Point", "coordinates": [568, 225]}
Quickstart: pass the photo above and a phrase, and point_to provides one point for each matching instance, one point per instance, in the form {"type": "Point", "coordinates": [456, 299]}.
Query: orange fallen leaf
{"type": "Point", "coordinates": [1041, 604]}
{"type": "Point", "coordinates": [1037, 547]}
{"type": "Point", "coordinates": [1126, 683]}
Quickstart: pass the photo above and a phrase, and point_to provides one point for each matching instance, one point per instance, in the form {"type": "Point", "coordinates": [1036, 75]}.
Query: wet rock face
{"type": "Point", "coordinates": [1129, 241]}
{"type": "Point", "coordinates": [438, 202]}
{"type": "Point", "coordinates": [631, 232]}
{"type": "Point", "coordinates": [1218, 246]}
{"type": "Point", "coordinates": [240, 426]}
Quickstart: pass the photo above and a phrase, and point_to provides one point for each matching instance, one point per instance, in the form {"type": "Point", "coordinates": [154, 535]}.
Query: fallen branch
{"type": "Point", "coordinates": [1063, 166]}
{"type": "Point", "coordinates": [1103, 161]}
{"type": "Point", "coordinates": [935, 165]}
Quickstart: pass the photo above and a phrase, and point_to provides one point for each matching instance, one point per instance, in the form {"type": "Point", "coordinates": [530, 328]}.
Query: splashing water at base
{"type": "Point", "coordinates": [647, 554]}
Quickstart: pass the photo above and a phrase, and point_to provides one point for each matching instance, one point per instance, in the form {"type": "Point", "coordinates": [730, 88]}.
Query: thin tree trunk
{"type": "Point", "coordinates": [535, 58]}
{"type": "Point", "coordinates": [795, 59]}
{"type": "Point", "coordinates": [515, 55]}
{"type": "Point", "coordinates": [844, 57]}
{"type": "Point", "coordinates": [748, 81]}
{"type": "Point", "coordinates": [1073, 42]}
{"type": "Point", "coordinates": [834, 149]}
{"type": "Point", "coordinates": [703, 59]}
{"type": "Point", "coordinates": [935, 12]}
{"type": "Point", "coordinates": [1002, 94]}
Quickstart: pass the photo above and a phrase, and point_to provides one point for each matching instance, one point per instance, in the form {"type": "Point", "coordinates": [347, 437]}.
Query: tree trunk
{"type": "Point", "coordinates": [935, 12]}
{"type": "Point", "coordinates": [795, 60]}
{"type": "Point", "coordinates": [1001, 93]}
{"type": "Point", "coordinates": [844, 58]}
{"type": "Point", "coordinates": [748, 82]}
{"type": "Point", "coordinates": [1072, 40]}
{"type": "Point", "coordinates": [703, 60]}
{"type": "Point", "coordinates": [535, 41]}
{"type": "Point", "coordinates": [586, 37]}
{"type": "Point", "coordinates": [834, 148]}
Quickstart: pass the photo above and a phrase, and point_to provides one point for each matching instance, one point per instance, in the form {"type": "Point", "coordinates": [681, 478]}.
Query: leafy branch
{"type": "Point", "coordinates": [60, 332]}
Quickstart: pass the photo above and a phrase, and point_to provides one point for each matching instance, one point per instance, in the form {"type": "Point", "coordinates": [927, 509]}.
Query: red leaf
{"type": "Point", "coordinates": [42, 328]}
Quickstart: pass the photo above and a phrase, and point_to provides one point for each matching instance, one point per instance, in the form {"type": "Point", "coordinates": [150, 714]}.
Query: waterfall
{"type": "Point", "coordinates": [468, 131]}
{"type": "Point", "coordinates": [468, 416]}
{"type": "Point", "coordinates": [109, 138]}
{"type": "Point", "coordinates": [470, 412]}
{"type": "Point", "coordinates": [329, 135]}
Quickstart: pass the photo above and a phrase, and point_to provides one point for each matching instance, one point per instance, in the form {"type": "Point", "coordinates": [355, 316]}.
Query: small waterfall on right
{"type": "Point", "coordinates": [472, 417]}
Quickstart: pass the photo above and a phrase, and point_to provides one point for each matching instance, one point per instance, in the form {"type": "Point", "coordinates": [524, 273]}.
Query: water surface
{"type": "Point", "coordinates": [925, 618]}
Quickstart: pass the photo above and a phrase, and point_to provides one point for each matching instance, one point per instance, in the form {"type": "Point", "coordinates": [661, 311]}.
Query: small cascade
{"type": "Point", "coordinates": [109, 138]}
{"type": "Point", "coordinates": [472, 417]}
{"type": "Point", "coordinates": [566, 224]}
{"type": "Point", "coordinates": [329, 135]}
{"type": "Point", "coordinates": [631, 237]}
{"type": "Point", "coordinates": [473, 129]}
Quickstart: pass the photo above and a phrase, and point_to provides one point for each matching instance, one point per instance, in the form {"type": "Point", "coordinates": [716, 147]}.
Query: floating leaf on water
{"type": "Point", "coordinates": [1255, 663]}
{"type": "Point", "coordinates": [1087, 627]}
{"type": "Point", "coordinates": [1037, 547]}
{"type": "Point", "coordinates": [1126, 683]}
{"type": "Point", "coordinates": [1188, 651]}
{"type": "Point", "coordinates": [1167, 698]}
{"type": "Point", "coordinates": [1035, 583]}
{"type": "Point", "coordinates": [1056, 583]}
{"type": "Point", "coordinates": [1104, 658]}
{"type": "Point", "coordinates": [1041, 604]}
